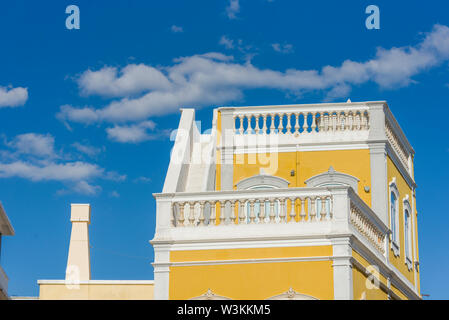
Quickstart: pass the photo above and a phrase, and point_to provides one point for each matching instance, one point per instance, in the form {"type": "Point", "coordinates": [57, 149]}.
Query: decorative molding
{"type": "Point", "coordinates": [331, 177]}
{"type": "Point", "coordinates": [262, 179]}
{"type": "Point", "coordinates": [291, 294]}
{"type": "Point", "coordinates": [209, 295]}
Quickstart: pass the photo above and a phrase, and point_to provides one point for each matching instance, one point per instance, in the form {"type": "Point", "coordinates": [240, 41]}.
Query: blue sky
{"type": "Point", "coordinates": [85, 115]}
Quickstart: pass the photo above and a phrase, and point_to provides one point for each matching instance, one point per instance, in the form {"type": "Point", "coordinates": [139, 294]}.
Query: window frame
{"type": "Point", "coordinates": [395, 236]}
{"type": "Point", "coordinates": [408, 245]}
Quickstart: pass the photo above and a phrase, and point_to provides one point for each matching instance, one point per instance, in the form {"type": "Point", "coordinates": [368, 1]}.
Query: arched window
{"type": "Point", "coordinates": [333, 178]}
{"type": "Point", "coordinates": [328, 179]}
{"type": "Point", "coordinates": [262, 181]}
{"type": "Point", "coordinates": [407, 233]}
{"type": "Point", "coordinates": [394, 216]}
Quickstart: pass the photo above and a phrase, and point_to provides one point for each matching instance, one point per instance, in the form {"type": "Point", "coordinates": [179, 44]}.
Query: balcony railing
{"type": "Point", "coordinates": [336, 209]}
{"type": "Point", "coordinates": [306, 120]}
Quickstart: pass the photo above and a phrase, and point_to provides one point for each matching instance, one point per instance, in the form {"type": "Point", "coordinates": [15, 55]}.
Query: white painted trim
{"type": "Point", "coordinates": [262, 179]}
{"type": "Point", "coordinates": [387, 269]}
{"type": "Point", "coordinates": [302, 147]}
{"type": "Point", "coordinates": [249, 243]}
{"type": "Point", "coordinates": [107, 282]}
{"type": "Point", "coordinates": [248, 261]}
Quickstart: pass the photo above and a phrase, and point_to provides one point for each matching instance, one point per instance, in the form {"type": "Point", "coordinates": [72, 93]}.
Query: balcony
{"type": "Point", "coordinates": [264, 214]}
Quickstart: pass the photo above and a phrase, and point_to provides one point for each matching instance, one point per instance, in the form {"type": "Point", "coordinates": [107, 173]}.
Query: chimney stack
{"type": "Point", "coordinates": [78, 262]}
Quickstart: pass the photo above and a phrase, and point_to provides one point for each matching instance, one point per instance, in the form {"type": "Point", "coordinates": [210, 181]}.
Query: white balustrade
{"type": "Point", "coordinates": [289, 207]}
{"type": "Point", "coordinates": [260, 208]}
{"type": "Point", "coordinates": [299, 122]}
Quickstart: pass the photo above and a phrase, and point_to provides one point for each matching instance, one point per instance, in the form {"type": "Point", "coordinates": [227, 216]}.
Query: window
{"type": "Point", "coordinates": [407, 233]}
{"type": "Point", "coordinates": [267, 208]}
{"type": "Point", "coordinates": [262, 181]}
{"type": "Point", "coordinates": [394, 217]}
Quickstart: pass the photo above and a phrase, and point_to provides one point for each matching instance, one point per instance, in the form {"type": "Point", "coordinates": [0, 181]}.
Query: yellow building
{"type": "Point", "coordinates": [6, 229]}
{"type": "Point", "coordinates": [311, 201]}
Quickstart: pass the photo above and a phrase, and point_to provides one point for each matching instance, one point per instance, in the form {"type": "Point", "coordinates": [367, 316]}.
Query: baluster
{"type": "Point", "coordinates": [257, 128]}
{"type": "Point", "coordinates": [242, 213]}
{"type": "Point", "coordinates": [326, 121]}
{"type": "Point", "coordinates": [289, 125]}
{"type": "Point", "coordinates": [313, 122]}
{"type": "Point", "coordinates": [312, 208]}
{"type": "Point", "coordinates": [358, 121]}
{"type": "Point", "coordinates": [227, 218]}
{"type": "Point", "coordinates": [351, 120]}
{"type": "Point", "coordinates": [213, 213]}
{"type": "Point", "coordinates": [181, 213]}
{"type": "Point", "coordinates": [264, 127]}
{"type": "Point", "coordinates": [222, 217]}
{"type": "Point", "coordinates": [364, 125]}
{"type": "Point", "coordinates": [235, 118]}
{"type": "Point", "coordinates": [262, 211]}
{"type": "Point", "coordinates": [252, 216]}
{"type": "Point", "coordinates": [342, 120]}
{"type": "Point", "coordinates": [297, 123]}
{"type": "Point", "coordinates": [272, 213]}
{"type": "Point", "coordinates": [323, 212]}
{"type": "Point", "coordinates": [272, 127]}
{"type": "Point", "coordinates": [201, 219]}
{"type": "Point", "coordinates": [173, 214]}
{"type": "Point", "coordinates": [281, 125]}
{"type": "Point", "coordinates": [334, 121]}
{"type": "Point", "coordinates": [305, 125]}
{"type": "Point", "coordinates": [283, 209]}
{"type": "Point", "coordinates": [250, 128]}
{"type": "Point", "coordinates": [192, 213]}
{"type": "Point", "coordinates": [302, 214]}
{"type": "Point", "coordinates": [233, 217]}
{"type": "Point", "coordinates": [241, 129]}
{"type": "Point", "coordinates": [292, 210]}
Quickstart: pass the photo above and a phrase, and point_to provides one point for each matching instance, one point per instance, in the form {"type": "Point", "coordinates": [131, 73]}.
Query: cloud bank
{"type": "Point", "coordinates": [140, 91]}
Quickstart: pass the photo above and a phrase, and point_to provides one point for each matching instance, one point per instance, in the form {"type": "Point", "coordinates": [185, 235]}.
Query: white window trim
{"type": "Point", "coordinates": [408, 255]}
{"type": "Point", "coordinates": [395, 243]}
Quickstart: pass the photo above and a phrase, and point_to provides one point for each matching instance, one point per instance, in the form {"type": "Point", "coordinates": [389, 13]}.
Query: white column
{"type": "Point", "coordinates": [227, 154]}
{"type": "Point", "coordinates": [342, 269]}
{"type": "Point", "coordinates": [161, 267]}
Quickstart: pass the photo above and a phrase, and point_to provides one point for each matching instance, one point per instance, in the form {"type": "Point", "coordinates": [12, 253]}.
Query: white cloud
{"type": "Point", "coordinates": [142, 179]}
{"type": "Point", "coordinates": [84, 187]}
{"type": "Point", "coordinates": [213, 78]}
{"type": "Point", "coordinates": [41, 145]}
{"type": "Point", "coordinates": [114, 194]}
{"type": "Point", "coordinates": [232, 9]}
{"type": "Point", "coordinates": [86, 149]}
{"type": "Point", "coordinates": [226, 42]}
{"type": "Point", "coordinates": [13, 97]}
{"type": "Point", "coordinates": [282, 48]}
{"type": "Point", "coordinates": [176, 29]}
{"type": "Point", "coordinates": [133, 133]}
{"type": "Point", "coordinates": [71, 171]}
{"type": "Point", "coordinates": [131, 79]}
{"type": "Point", "coordinates": [33, 157]}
